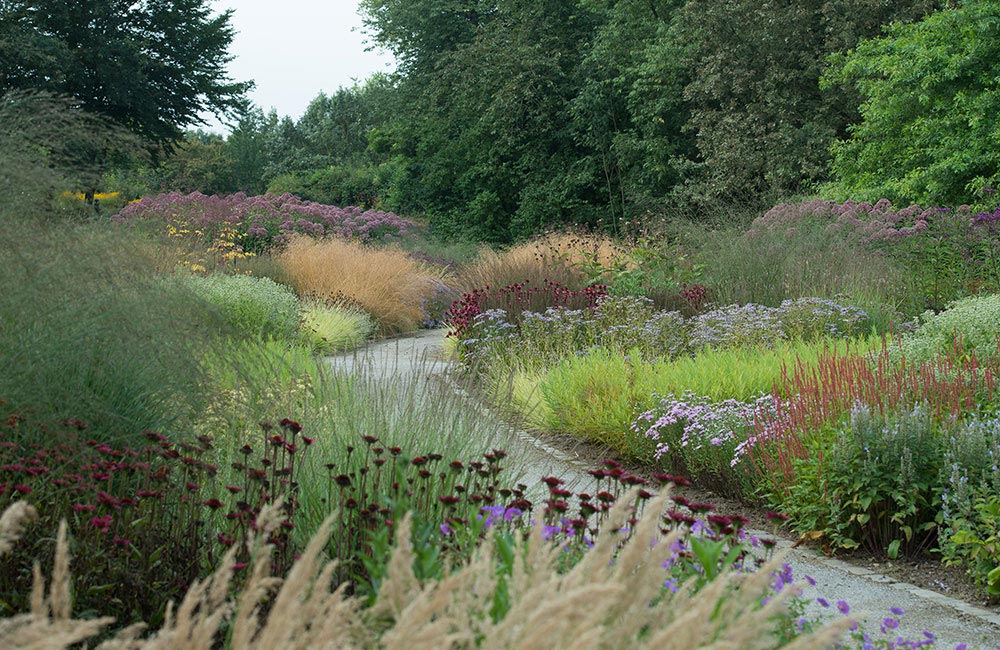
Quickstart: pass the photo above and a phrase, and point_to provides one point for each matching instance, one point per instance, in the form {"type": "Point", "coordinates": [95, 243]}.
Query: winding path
{"type": "Point", "coordinates": [869, 594]}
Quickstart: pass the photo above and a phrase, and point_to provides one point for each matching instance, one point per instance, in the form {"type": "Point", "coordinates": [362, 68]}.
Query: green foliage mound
{"type": "Point", "coordinates": [256, 307]}
{"type": "Point", "coordinates": [970, 325]}
{"type": "Point", "coordinates": [335, 328]}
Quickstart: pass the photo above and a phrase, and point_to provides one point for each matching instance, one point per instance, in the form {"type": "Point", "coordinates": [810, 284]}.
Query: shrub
{"type": "Point", "coordinates": [238, 224]}
{"type": "Point", "coordinates": [256, 307]}
{"type": "Point", "coordinates": [967, 326]}
{"type": "Point", "coordinates": [386, 283]}
{"type": "Point", "coordinates": [335, 328]}
{"type": "Point", "coordinates": [877, 486]}
{"type": "Point", "coordinates": [971, 505]}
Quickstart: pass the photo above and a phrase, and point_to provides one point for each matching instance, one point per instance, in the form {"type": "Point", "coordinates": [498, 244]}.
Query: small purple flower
{"type": "Point", "coordinates": [810, 580]}
{"type": "Point", "coordinates": [823, 602]}
{"type": "Point", "coordinates": [889, 623]}
{"type": "Point", "coordinates": [843, 607]}
{"type": "Point", "coordinates": [445, 529]}
{"type": "Point", "coordinates": [896, 610]}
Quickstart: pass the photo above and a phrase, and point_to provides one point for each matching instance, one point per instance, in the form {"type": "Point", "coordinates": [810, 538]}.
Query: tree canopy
{"type": "Point", "coordinates": [151, 65]}
{"type": "Point", "coordinates": [930, 127]}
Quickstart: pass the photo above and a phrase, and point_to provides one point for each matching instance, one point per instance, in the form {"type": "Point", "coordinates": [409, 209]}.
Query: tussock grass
{"type": "Point", "coordinates": [335, 328]}
{"type": "Point", "coordinates": [554, 256]}
{"type": "Point", "coordinates": [599, 603]}
{"type": "Point", "coordinates": [387, 283]}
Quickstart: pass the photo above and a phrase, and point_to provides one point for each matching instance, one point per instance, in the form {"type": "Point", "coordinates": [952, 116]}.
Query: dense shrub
{"type": "Point", "coordinates": [256, 307]}
{"type": "Point", "coordinates": [253, 224]}
{"type": "Point", "coordinates": [878, 485]}
{"type": "Point", "coordinates": [967, 326]}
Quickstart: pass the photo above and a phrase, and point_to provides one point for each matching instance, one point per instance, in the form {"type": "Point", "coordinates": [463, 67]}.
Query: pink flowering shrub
{"type": "Point", "coordinates": [948, 252]}
{"type": "Point", "coordinates": [258, 223]}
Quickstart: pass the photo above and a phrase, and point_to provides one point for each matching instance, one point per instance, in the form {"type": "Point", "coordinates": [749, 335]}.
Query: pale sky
{"type": "Point", "coordinates": [293, 49]}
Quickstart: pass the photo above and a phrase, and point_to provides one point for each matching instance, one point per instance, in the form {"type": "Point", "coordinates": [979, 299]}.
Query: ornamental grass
{"type": "Point", "coordinates": [387, 283]}
{"type": "Point", "coordinates": [610, 599]}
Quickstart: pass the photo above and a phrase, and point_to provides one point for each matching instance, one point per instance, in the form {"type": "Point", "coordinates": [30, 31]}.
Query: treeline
{"type": "Point", "coordinates": [506, 117]}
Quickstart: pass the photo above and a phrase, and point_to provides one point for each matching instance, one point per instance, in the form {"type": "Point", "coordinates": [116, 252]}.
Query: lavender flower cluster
{"type": "Point", "coordinates": [694, 422]}
{"type": "Point", "coordinates": [266, 220]}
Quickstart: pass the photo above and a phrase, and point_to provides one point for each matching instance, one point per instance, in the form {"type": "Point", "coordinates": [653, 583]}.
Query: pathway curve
{"type": "Point", "coordinates": [869, 594]}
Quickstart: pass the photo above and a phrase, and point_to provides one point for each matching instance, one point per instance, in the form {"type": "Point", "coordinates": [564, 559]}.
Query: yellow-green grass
{"type": "Point", "coordinates": [335, 328]}
{"type": "Point", "coordinates": [597, 396]}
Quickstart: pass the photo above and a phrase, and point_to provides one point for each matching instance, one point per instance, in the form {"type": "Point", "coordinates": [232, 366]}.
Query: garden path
{"type": "Point", "coordinates": [869, 593]}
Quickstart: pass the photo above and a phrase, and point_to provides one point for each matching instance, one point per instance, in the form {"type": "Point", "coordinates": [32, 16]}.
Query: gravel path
{"type": "Point", "coordinates": [868, 593]}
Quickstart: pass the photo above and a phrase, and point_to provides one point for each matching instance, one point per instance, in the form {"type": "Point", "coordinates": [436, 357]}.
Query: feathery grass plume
{"type": "Point", "coordinates": [17, 515]}
{"type": "Point", "coordinates": [387, 283]}
{"type": "Point", "coordinates": [558, 257]}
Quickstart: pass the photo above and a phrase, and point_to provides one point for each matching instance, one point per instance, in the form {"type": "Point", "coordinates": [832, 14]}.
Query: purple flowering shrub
{"type": "Point", "coordinates": [949, 252]}
{"type": "Point", "coordinates": [257, 223]}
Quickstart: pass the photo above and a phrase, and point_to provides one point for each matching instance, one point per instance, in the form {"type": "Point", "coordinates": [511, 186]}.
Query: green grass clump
{"type": "Point", "coordinates": [330, 329]}
{"type": "Point", "coordinates": [596, 396]}
{"type": "Point", "coordinates": [742, 373]}
{"type": "Point", "coordinates": [89, 330]}
{"type": "Point", "coordinates": [256, 307]}
{"type": "Point", "coordinates": [969, 326]}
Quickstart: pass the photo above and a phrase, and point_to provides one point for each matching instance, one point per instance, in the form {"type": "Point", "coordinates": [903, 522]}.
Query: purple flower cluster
{"type": "Point", "coordinates": [750, 325]}
{"type": "Point", "coordinates": [630, 323]}
{"type": "Point", "coordinates": [695, 422]}
{"type": "Point", "coordinates": [266, 220]}
{"type": "Point", "coordinates": [872, 222]}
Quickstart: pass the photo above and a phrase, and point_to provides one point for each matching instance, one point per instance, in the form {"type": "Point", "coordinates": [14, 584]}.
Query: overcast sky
{"type": "Point", "coordinates": [293, 49]}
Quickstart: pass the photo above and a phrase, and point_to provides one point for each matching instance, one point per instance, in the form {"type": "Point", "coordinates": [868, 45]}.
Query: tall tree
{"type": "Point", "coordinates": [930, 131]}
{"type": "Point", "coordinates": [763, 125]}
{"type": "Point", "coordinates": [151, 65]}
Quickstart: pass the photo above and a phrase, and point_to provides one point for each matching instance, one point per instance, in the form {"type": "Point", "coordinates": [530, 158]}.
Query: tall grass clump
{"type": "Point", "coordinates": [256, 307]}
{"type": "Point", "coordinates": [385, 282]}
{"type": "Point", "coordinates": [89, 330]}
{"type": "Point", "coordinates": [555, 257]}
{"type": "Point", "coordinates": [770, 265]}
